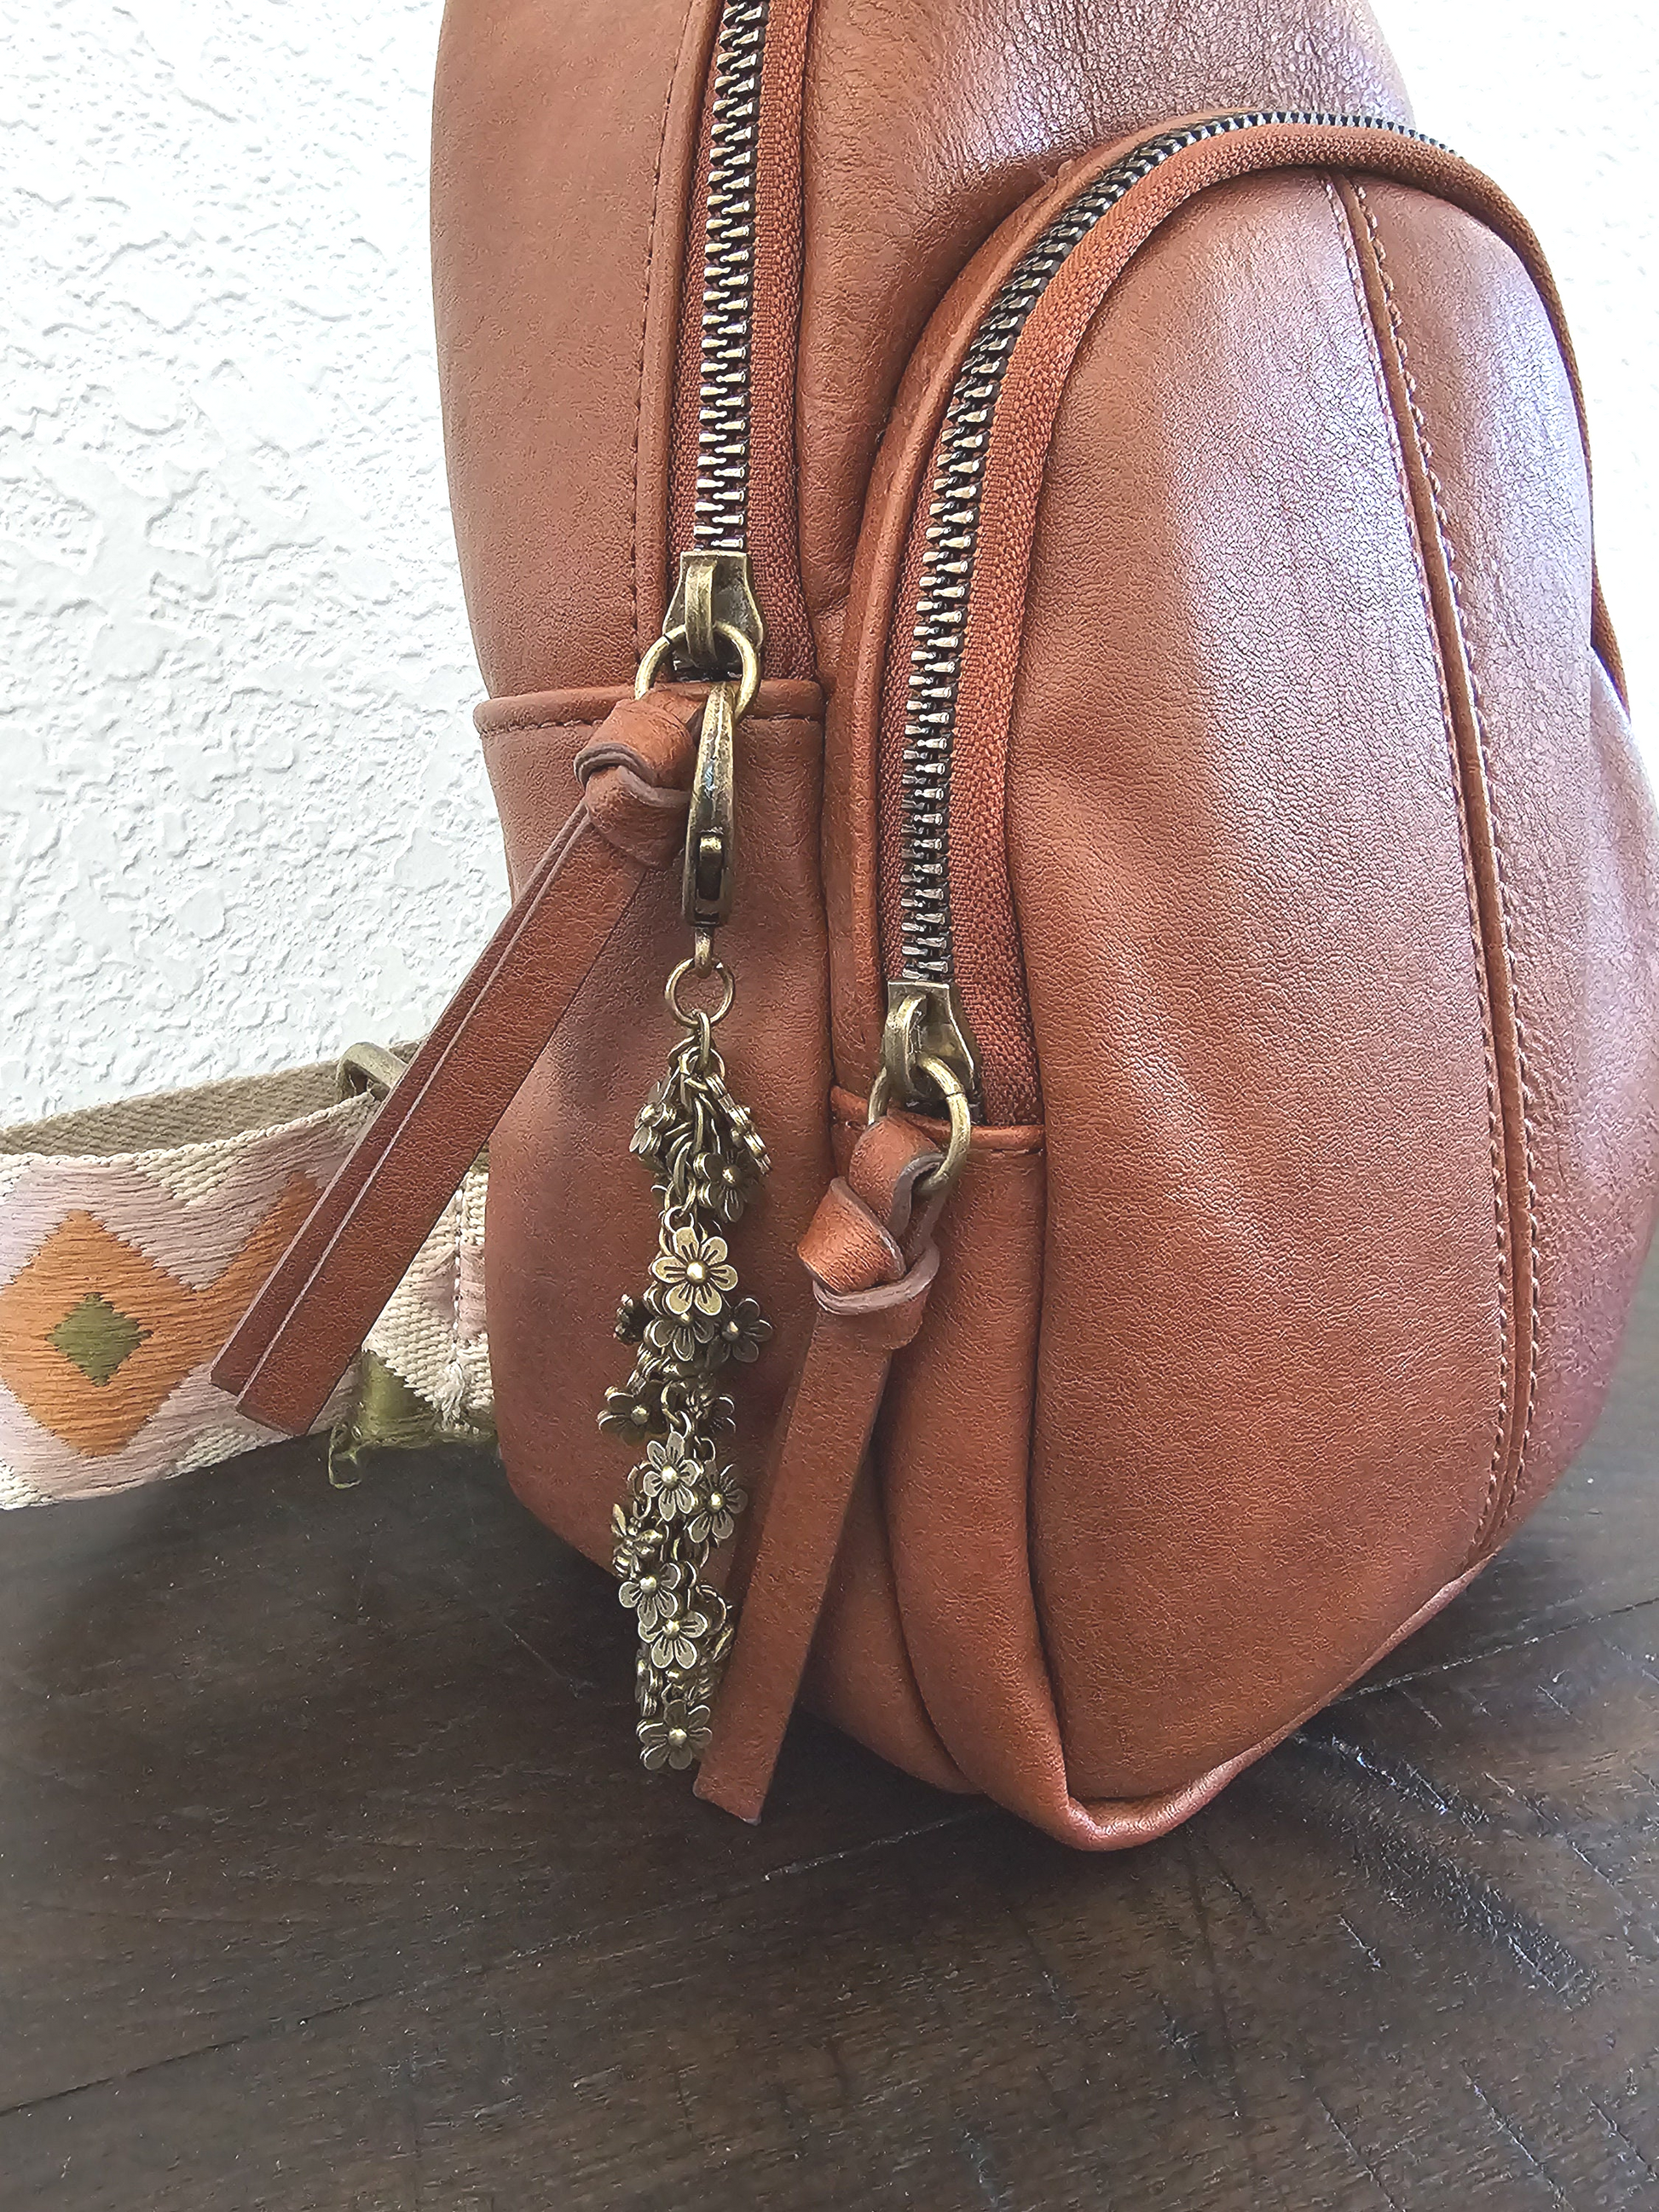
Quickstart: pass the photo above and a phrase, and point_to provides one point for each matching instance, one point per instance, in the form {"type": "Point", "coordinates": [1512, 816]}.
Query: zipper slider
{"type": "Point", "coordinates": [713, 605]}
{"type": "Point", "coordinates": [929, 1063]}
{"type": "Point", "coordinates": [925, 1022]}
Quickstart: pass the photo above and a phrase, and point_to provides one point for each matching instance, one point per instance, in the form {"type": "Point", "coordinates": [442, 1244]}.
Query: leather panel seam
{"type": "Point", "coordinates": [1489, 1051]}
{"type": "Point", "coordinates": [592, 722]}
{"type": "Point", "coordinates": [1500, 1493]}
{"type": "Point", "coordinates": [852, 1117]}
{"type": "Point", "coordinates": [644, 320]}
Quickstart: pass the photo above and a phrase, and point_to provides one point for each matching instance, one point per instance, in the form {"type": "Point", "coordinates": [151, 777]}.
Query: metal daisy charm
{"type": "Point", "coordinates": [680, 1502]}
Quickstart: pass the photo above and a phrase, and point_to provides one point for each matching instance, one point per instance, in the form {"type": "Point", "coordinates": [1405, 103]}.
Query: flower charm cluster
{"type": "Point", "coordinates": [706, 1159]}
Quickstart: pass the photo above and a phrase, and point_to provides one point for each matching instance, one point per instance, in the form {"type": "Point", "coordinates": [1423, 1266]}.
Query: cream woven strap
{"type": "Point", "coordinates": [132, 1238]}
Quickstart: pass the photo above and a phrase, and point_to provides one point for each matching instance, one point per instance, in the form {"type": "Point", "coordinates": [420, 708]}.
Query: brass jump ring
{"type": "Point", "coordinates": [649, 667]}
{"type": "Point", "coordinates": [692, 1018]}
{"type": "Point", "coordinates": [948, 1084]}
{"type": "Point", "coordinates": [749, 675]}
{"type": "Point", "coordinates": [749, 664]}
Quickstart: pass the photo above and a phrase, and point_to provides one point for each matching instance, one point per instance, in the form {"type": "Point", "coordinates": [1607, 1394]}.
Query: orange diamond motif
{"type": "Point", "coordinates": [57, 1319]}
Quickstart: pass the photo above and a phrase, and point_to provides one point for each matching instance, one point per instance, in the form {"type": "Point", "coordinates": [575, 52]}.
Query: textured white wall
{"type": "Point", "coordinates": [1556, 101]}
{"type": "Point", "coordinates": [243, 815]}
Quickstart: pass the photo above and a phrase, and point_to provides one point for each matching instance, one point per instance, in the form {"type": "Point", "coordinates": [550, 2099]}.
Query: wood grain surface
{"type": "Point", "coordinates": [329, 1881]}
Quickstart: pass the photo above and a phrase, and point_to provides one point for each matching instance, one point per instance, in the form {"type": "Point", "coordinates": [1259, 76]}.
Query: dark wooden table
{"type": "Point", "coordinates": [329, 1882]}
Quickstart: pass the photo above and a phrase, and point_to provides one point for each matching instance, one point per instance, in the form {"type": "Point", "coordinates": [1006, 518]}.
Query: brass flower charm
{"type": "Point", "coordinates": [694, 1272]}
{"type": "Point", "coordinates": [680, 1736]}
{"type": "Point", "coordinates": [671, 1477]}
{"type": "Point", "coordinates": [724, 1181]}
{"type": "Point", "coordinates": [632, 1414]}
{"type": "Point", "coordinates": [673, 1644]}
{"type": "Point", "coordinates": [650, 1595]}
{"type": "Point", "coordinates": [743, 1330]}
{"type": "Point", "coordinates": [706, 1159]}
{"type": "Point", "coordinates": [715, 1512]}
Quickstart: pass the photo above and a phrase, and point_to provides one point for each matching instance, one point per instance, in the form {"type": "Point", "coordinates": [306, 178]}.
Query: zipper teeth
{"type": "Point", "coordinates": [722, 504]}
{"type": "Point", "coordinates": [953, 523]}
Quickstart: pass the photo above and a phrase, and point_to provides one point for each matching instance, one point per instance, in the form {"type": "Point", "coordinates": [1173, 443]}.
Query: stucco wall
{"type": "Point", "coordinates": [243, 817]}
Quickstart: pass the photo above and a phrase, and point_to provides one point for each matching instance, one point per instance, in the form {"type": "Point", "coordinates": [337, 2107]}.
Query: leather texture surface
{"type": "Point", "coordinates": [926, 127]}
{"type": "Point", "coordinates": [1264, 1077]}
{"type": "Point", "coordinates": [1303, 880]}
{"type": "Point", "coordinates": [1573, 864]}
{"type": "Point", "coordinates": [565, 162]}
{"type": "Point", "coordinates": [564, 146]}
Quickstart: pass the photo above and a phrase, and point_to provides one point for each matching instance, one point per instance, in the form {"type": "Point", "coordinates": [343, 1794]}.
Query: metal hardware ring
{"type": "Point", "coordinates": [748, 663]}
{"type": "Point", "coordinates": [691, 1018]}
{"type": "Point", "coordinates": [948, 1084]}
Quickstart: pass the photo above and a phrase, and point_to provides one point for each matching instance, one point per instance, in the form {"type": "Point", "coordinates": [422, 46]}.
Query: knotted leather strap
{"type": "Point", "coordinates": [319, 1301]}
{"type": "Point", "coordinates": [872, 1261]}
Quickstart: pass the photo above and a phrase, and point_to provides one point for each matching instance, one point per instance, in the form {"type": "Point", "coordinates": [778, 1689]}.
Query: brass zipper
{"type": "Point", "coordinates": [941, 628]}
{"type": "Point", "coordinates": [715, 596]}
{"type": "Point", "coordinates": [728, 281]}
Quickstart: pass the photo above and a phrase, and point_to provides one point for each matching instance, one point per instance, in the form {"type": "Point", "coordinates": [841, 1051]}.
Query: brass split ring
{"type": "Point", "coordinates": [948, 1084]}
{"type": "Point", "coordinates": [747, 658]}
{"type": "Point", "coordinates": [693, 1018]}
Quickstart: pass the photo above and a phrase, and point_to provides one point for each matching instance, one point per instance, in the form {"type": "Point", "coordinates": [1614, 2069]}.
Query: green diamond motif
{"type": "Point", "coordinates": [97, 1337]}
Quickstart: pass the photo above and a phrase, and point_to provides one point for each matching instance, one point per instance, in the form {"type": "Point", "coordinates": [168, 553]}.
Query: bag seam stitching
{"type": "Point", "coordinates": [1498, 1508]}
{"type": "Point", "coordinates": [644, 320]}
{"type": "Point", "coordinates": [1494, 1103]}
{"type": "Point", "coordinates": [594, 722]}
{"type": "Point", "coordinates": [986, 1158]}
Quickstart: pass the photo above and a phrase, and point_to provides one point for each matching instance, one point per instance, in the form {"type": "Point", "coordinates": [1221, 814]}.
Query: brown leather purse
{"type": "Point", "coordinates": [1062, 571]}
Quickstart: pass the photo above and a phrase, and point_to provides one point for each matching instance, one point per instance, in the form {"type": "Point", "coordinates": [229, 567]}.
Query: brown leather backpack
{"type": "Point", "coordinates": [1056, 542]}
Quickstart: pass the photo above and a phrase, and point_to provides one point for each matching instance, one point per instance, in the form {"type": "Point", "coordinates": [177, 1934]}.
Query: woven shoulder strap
{"type": "Point", "coordinates": [134, 1237]}
{"type": "Point", "coordinates": [270, 1228]}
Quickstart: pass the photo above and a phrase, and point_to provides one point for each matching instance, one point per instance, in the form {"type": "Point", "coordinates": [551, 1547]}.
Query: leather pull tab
{"type": "Point", "coordinates": [323, 1295]}
{"type": "Point", "coordinates": [872, 1295]}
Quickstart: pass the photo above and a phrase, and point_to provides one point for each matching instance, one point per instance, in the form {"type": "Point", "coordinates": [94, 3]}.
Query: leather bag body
{"type": "Point", "coordinates": [1302, 876]}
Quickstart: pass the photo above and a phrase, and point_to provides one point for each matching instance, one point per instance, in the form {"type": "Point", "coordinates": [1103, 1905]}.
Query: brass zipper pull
{"type": "Point", "coordinates": [712, 633]}
{"type": "Point", "coordinates": [929, 1063]}
{"type": "Point", "coordinates": [713, 605]}
{"type": "Point", "coordinates": [679, 1503]}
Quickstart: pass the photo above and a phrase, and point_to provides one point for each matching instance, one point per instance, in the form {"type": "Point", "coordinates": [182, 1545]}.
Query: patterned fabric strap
{"type": "Point", "coordinates": [133, 1236]}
